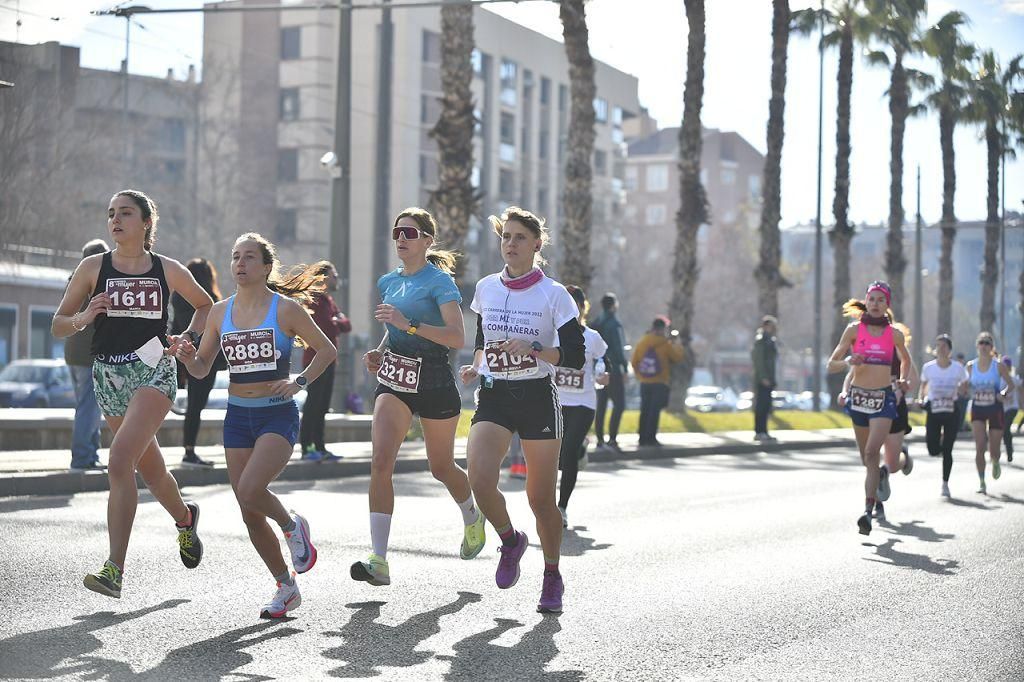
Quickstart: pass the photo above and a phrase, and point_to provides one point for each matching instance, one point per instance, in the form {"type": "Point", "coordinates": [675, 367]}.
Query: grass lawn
{"type": "Point", "coordinates": [694, 422]}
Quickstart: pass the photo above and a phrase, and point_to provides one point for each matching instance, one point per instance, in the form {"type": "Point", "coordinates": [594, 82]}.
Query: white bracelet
{"type": "Point", "coordinates": [75, 326]}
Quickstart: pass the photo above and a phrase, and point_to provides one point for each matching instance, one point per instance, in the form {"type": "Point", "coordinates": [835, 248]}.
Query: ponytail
{"type": "Point", "coordinates": [302, 282]}
{"type": "Point", "coordinates": [854, 308]}
{"type": "Point", "coordinates": [444, 260]}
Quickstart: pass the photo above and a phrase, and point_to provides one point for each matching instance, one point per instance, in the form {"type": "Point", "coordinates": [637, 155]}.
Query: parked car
{"type": "Point", "coordinates": [218, 399]}
{"type": "Point", "coordinates": [784, 400]}
{"type": "Point", "coordinates": [805, 401]}
{"type": "Point", "coordinates": [711, 399]}
{"type": "Point", "coordinates": [36, 383]}
{"type": "Point", "coordinates": [745, 401]}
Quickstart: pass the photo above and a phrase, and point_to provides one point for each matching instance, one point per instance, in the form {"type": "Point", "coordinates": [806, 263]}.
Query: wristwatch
{"type": "Point", "coordinates": [537, 349]}
{"type": "Point", "coordinates": [194, 336]}
{"type": "Point", "coordinates": [301, 381]}
{"type": "Point", "coordinates": [413, 326]}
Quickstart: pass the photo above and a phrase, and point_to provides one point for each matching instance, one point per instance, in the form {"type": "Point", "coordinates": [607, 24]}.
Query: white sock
{"type": "Point", "coordinates": [380, 529]}
{"type": "Point", "coordinates": [469, 511]}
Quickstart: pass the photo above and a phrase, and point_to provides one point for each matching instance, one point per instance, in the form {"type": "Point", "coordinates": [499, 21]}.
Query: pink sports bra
{"type": "Point", "coordinates": [877, 350]}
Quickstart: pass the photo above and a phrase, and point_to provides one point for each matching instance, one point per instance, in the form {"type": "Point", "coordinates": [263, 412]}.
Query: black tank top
{"type": "Point", "coordinates": [139, 310]}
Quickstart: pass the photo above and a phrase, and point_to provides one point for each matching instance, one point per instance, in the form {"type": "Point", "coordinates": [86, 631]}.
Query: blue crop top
{"type": "Point", "coordinates": [262, 353]}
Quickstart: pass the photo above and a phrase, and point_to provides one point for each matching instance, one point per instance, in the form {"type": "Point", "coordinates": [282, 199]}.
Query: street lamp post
{"type": "Point", "coordinates": [816, 382]}
{"type": "Point", "coordinates": [918, 297]}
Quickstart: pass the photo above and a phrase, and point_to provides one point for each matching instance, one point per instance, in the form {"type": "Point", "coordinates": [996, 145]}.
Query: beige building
{"type": "Point", "coordinates": [268, 117]}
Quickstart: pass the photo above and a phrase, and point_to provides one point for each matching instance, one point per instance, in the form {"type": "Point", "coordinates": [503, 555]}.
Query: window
{"type": "Point", "coordinates": [655, 215]}
{"type": "Point", "coordinates": [8, 326]}
{"type": "Point", "coordinates": [431, 47]}
{"type": "Point", "coordinates": [507, 149]}
{"type": "Point", "coordinates": [728, 176]}
{"type": "Point", "coordinates": [563, 98]}
{"type": "Point", "coordinates": [41, 343]}
{"type": "Point", "coordinates": [291, 43]}
{"type": "Point", "coordinates": [617, 117]}
{"type": "Point", "coordinates": [600, 162]}
{"type": "Point", "coordinates": [428, 170]}
{"type": "Point", "coordinates": [474, 177]}
{"type": "Point", "coordinates": [174, 134]}
{"type": "Point", "coordinates": [600, 110]}
{"type": "Point", "coordinates": [289, 104]}
{"type": "Point", "coordinates": [754, 187]}
{"type": "Point", "coordinates": [542, 144]}
{"type": "Point", "coordinates": [657, 178]}
{"type": "Point", "coordinates": [287, 165]}
{"type": "Point", "coordinates": [509, 82]}
{"type": "Point", "coordinates": [542, 199]}
{"type": "Point", "coordinates": [478, 122]}
{"type": "Point", "coordinates": [632, 177]}
{"type": "Point", "coordinates": [545, 90]}
{"type": "Point", "coordinates": [506, 184]}
{"type": "Point", "coordinates": [287, 219]}
{"type": "Point", "coordinates": [476, 58]}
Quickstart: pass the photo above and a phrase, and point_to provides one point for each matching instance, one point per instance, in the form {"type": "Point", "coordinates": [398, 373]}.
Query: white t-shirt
{"type": "Point", "coordinates": [576, 386]}
{"type": "Point", "coordinates": [532, 314]}
{"type": "Point", "coordinates": [942, 384]}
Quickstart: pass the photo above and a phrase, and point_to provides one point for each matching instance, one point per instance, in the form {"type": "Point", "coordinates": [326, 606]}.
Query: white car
{"type": "Point", "coordinates": [711, 399]}
{"type": "Point", "coordinates": [218, 399]}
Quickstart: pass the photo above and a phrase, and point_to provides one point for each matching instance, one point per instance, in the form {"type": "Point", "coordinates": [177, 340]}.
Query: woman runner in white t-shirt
{"type": "Point", "coordinates": [526, 327]}
{"type": "Point", "coordinates": [942, 381]}
{"type": "Point", "coordinates": [578, 394]}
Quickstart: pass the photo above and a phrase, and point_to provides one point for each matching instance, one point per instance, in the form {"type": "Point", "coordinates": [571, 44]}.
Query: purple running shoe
{"type": "Point", "coordinates": [508, 565]}
{"type": "Point", "coordinates": [551, 593]}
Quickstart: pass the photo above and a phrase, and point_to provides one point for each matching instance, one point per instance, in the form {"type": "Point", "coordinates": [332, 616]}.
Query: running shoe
{"type": "Point", "coordinates": [945, 489]}
{"type": "Point", "coordinates": [879, 512]}
{"type": "Point", "coordinates": [474, 537]}
{"type": "Point", "coordinates": [96, 466]}
{"type": "Point", "coordinates": [884, 491]}
{"type": "Point", "coordinates": [551, 593]}
{"type": "Point", "coordinates": [194, 461]}
{"type": "Point", "coordinates": [311, 454]}
{"type": "Point", "coordinates": [997, 470]}
{"type": "Point", "coordinates": [374, 571]}
{"type": "Point", "coordinates": [565, 517]}
{"type": "Point", "coordinates": [908, 463]}
{"type": "Point", "coordinates": [105, 581]}
{"type": "Point", "coordinates": [517, 470]}
{"type": "Point", "coordinates": [507, 574]}
{"type": "Point", "coordinates": [864, 524]}
{"type": "Point", "coordinates": [614, 445]}
{"type": "Point", "coordinates": [189, 545]}
{"type": "Point", "coordinates": [328, 456]}
{"type": "Point", "coordinates": [300, 545]}
{"type": "Point", "coordinates": [287, 598]}
{"type": "Point", "coordinates": [982, 489]}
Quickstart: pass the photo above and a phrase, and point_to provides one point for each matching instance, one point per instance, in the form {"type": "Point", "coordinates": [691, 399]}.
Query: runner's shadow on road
{"type": "Point", "coordinates": [888, 554]}
{"type": "Point", "coordinates": [1009, 499]}
{"type": "Point", "coordinates": [33, 503]}
{"type": "Point", "coordinates": [477, 659]}
{"type": "Point", "coordinates": [958, 502]}
{"type": "Point", "coordinates": [219, 656]}
{"type": "Point", "coordinates": [370, 645]}
{"type": "Point", "coordinates": [574, 544]}
{"type": "Point", "coordinates": [37, 655]}
{"type": "Point", "coordinates": [916, 529]}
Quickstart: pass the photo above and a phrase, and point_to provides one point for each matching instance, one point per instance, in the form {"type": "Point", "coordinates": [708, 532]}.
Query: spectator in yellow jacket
{"type": "Point", "coordinates": [653, 357]}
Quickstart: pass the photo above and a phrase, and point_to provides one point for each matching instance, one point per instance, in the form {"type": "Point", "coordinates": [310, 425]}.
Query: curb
{"type": "Point", "coordinates": [66, 483]}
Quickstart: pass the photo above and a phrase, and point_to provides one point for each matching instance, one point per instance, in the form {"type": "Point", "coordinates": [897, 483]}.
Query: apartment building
{"type": "Point", "coordinates": [269, 102]}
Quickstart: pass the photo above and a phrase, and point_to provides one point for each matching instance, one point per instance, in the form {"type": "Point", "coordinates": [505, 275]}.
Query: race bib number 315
{"type": "Point", "coordinates": [250, 350]}
{"type": "Point", "coordinates": [135, 297]}
{"type": "Point", "coordinates": [504, 365]}
{"type": "Point", "coordinates": [569, 380]}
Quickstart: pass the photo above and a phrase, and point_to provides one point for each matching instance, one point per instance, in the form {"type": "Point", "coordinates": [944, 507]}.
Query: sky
{"type": "Point", "coordinates": [647, 38]}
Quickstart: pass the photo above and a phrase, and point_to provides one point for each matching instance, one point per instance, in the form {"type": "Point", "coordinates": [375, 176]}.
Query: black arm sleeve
{"type": "Point", "coordinates": [571, 345]}
{"type": "Point", "coordinates": [479, 332]}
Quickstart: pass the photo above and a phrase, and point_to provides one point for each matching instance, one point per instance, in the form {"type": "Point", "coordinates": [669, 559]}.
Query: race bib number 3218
{"type": "Point", "coordinates": [135, 297]}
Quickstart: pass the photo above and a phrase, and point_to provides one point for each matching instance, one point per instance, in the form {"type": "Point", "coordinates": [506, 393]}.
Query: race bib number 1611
{"type": "Point", "coordinates": [135, 297]}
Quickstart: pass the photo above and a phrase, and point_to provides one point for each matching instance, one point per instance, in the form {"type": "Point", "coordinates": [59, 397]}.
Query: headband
{"type": "Point", "coordinates": [884, 289]}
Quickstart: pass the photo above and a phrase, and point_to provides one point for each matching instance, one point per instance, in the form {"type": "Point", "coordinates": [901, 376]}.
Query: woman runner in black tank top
{"type": "Point", "coordinates": [128, 291]}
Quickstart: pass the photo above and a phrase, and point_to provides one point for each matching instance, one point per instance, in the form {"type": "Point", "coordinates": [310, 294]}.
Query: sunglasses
{"type": "Point", "coordinates": [408, 233]}
{"type": "Point", "coordinates": [985, 342]}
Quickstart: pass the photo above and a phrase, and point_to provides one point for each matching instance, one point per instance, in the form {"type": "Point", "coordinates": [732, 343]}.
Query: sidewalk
{"type": "Point", "coordinates": [45, 472]}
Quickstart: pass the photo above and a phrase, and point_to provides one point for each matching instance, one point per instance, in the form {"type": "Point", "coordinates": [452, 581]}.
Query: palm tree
{"type": "Point", "coordinates": [769, 279]}
{"type": "Point", "coordinates": [693, 209]}
{"type": "Point", "coordinates": [577, 199]}
{"type": "Point", "coordinates": [454, 200]}
{"type": "Point", "coordinates": [944, 42]}
{"type": "Point", "coordinates": [988, 102]}
{"type": "Point", "coordinates": [846, 25]}
{"type": "Point", "coordinates": [895, 25]}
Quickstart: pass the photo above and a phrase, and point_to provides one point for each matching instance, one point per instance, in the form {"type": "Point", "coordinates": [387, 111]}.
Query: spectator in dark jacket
{"type": "Point", "coordinates": [318, 395]}
{"type": "Point", "coordinates": [617, 366]}
{"type": "Point", "coordinates": [85, 435]}
{"type": "Point", "coordinates": [764, 355]}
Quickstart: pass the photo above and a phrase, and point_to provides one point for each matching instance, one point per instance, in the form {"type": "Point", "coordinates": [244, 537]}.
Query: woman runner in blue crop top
{"type": "Point", "coordinates": [254, 328]}
{"type": "Point", "coordinates": [127, 289]}
{"type": "Point", "coordinates": [990, 381]}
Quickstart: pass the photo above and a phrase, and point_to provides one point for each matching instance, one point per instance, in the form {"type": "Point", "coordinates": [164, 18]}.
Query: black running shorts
{"type": "Point", "coordinates": [432, 403]}
{"type": "Point", "coordinates": [528, 407]}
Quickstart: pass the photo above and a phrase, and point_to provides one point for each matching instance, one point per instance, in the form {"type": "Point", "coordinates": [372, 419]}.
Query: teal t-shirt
{"type": "Point", "coordinates": [419, 297]}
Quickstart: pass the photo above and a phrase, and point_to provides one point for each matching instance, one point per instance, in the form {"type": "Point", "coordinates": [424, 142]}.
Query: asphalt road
{"type": "Point", "coordinates": [717, 567]}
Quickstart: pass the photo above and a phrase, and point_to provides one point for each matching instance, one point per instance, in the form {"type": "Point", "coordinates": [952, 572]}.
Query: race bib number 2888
{"type": "Point", "coordinates": [249, 350]}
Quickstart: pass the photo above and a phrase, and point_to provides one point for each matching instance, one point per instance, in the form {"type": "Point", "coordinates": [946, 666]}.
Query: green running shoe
{"type": "Point", "coordinates": [374, 571]}
{"type": "Point", "coordinates": [105, 581]}
{"type": "Point", "coordinates": [473, 538]}
{"type": "Point", "coordinates": [189, 545]}
{"type": "Point", "coordinates": [997, 471]}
